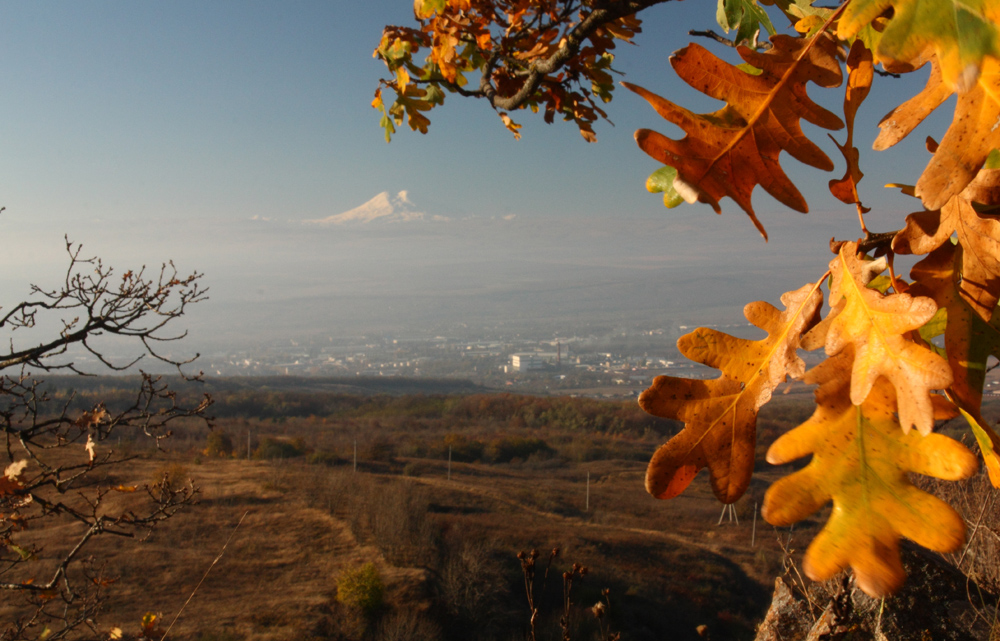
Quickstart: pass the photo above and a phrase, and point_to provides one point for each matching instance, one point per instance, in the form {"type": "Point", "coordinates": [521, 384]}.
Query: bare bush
{"type": "Point", "coordinates": [473, 586]}
{"type": "Point", "coordinates": [58, 459]}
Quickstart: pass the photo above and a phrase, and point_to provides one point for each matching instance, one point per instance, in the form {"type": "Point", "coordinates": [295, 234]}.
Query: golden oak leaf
{"type": "Point", "coordinates": [861, 459]}
{"type": "Point", "coordinates": [859, 83]}
{"type": "Point", "coordinates": [720, 415]}
{"type": "Point", "coordinates": [874, 325]}
{"type": "Point", "coordinates": [732, 150]}
{"type": "Point", "coordinates": [964, 34]}
{"type": "Point", "coordinates": [978, 234]}
{"type": "Point", "coordinates": [973, 134]}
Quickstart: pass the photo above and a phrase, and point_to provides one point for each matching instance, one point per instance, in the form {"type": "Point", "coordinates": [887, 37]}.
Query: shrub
{"type": "Point", "coordinates": [218, 444]}
{"type": "Point", "coordinates": [361, 588]}
{"type": "Point", "coordinates": [507, 449]}
{"type": "Point", "coordinates": [382, 450]}
{"type": "Point", "coordinates": [273, 448]}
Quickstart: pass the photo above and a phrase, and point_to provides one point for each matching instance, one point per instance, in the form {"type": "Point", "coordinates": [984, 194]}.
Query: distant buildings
{"type": "Point", "coordinates": [525, 361]}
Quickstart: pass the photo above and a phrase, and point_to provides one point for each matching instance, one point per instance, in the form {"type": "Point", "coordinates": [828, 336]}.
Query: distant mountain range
{"type": "Point", "coordinates": [383, 208]}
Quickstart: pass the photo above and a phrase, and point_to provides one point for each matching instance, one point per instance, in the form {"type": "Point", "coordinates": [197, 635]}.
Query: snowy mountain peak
{"type": "Point", "coordinates": [383, 208]}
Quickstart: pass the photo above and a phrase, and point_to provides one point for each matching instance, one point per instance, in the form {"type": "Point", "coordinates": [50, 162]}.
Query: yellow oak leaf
{"type": "Point", "coordinates": [720, 415]}
{"type": "Point", "coordinates": [972, 135]}
{"type": "Point", "coordinates": [964, 34]}
{"type": "Point", "coordinates": [978, 234]}
{"type": "Point", "coordinates": [989, 444]}
{"type": "Point", "coordinates": [732, 150]}
{"type": "Point", "coordinates": [861, 460]}
{"type": "Point", "coordinates": [874, 324]}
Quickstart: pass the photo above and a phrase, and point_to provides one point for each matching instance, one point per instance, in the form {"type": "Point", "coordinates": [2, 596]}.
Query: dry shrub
{"type": "Point", "coordinates": [979, 504]}
{"type": "Point", "coordinates": [174, 474]}
{"type": "Point", "coordinates": [473, 585]}
{"type": "Point", "coordinates": [407, 624]}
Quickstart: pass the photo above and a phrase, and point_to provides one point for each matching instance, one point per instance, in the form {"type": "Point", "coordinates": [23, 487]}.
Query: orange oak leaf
{"type": "Point", "coordinates": [978, 234]}
{"type": "Point", "coordinates": [968, 339]}
{"type": "Point", "coordinates": [973, 134]}
{"type": "Point", "coordinates": [861, 71]}
{"type": "Point", "coordinates": [874, 325]}
{"type": "Point", "coordinates": [860, 461]}
{"type": "Point", "coordinates": [732, 150]}
{"type": "Point", "coordinates": [720, 415]}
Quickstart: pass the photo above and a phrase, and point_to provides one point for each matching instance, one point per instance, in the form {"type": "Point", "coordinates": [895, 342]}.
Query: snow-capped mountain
{"type": "Point", "coordinates": [383, 208]}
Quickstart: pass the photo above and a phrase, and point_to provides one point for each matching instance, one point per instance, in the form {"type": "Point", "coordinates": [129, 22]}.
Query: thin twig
{"type": "Point", "coordinates": [205, 576]}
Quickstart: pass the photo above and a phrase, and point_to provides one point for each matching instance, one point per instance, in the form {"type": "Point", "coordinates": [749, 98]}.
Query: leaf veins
{"type": "Point", "coordinates": [861, 459]}
{"type": "Point", "coordinates": [732, 150]}
{"type": "Point", "coordinates": [873, 325]}
{"type": "Point", "coordinates": [720, 415]}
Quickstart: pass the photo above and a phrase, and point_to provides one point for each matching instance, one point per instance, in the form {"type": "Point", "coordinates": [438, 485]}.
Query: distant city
{"type": "Point", "coordinates": [610, 365]}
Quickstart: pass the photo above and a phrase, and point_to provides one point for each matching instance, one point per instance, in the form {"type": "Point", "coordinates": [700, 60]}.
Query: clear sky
{"type": "Point", "coordinates": [157, 130]}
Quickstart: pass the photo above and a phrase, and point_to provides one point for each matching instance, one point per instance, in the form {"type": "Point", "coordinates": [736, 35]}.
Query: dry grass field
{"type": "Point", "coordinates": [445, 549]}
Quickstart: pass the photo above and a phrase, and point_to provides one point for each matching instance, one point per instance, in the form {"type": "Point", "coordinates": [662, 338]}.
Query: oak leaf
{"type": "Point", "coordinates": [972, 135]}
{"type": "Point", "coordinates": [874, 325]}
{"type": "Point", "coordinates": [962, 33]}
{"type": "Point", "coordinates": [720, 415]}
{"type": "Point", "coordinates": [861, 72]}
{"type": "Point", "coordinates": [989, 444]}
{"type": "Point", "coordinates": [969, 340]}
{"type": "Point", "coordinates": [978, 234]}
{"type": "Point", "coordinates": [732, 150]}
{"type": "Point", "coordinates": [861, 460]}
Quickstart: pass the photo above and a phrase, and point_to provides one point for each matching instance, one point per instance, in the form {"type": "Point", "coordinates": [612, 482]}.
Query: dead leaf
{"type": "Point", "coordinates": [10, 482]}
{"type": "Point", "coordinates": [720, 415]}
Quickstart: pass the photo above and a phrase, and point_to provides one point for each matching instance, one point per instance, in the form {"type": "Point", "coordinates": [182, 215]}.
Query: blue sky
{"type": "Point", "coordinates": [156, 130]}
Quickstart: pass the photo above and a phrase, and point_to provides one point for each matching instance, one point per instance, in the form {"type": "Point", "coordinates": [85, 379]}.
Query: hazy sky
{"type": "Point", "coordinates": [151, 131]}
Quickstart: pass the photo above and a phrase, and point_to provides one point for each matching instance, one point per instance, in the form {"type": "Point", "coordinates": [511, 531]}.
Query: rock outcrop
{"type": "Point", "coordinates": [937, 603]}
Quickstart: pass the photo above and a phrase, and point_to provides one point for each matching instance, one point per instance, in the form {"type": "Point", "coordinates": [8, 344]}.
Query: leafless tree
{"type": "Point", "coordinates": [57, 458]}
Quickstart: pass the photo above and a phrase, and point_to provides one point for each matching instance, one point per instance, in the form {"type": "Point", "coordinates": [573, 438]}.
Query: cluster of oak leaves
{"type": "Point", "coordinates": [885, 379]}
